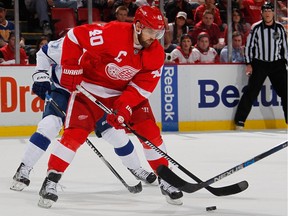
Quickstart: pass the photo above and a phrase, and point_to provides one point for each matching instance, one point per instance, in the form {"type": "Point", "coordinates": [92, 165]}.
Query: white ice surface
{"type": "Point", "coordinates": [90, 188]}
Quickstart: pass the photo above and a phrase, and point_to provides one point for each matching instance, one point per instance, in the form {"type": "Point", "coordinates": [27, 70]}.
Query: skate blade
{"type": "Point", "coordinates": [45, 203]}
{"type": "Point", "coordinates": [239, 128]}
{"type": "Point", "coordinates": [173, 201]}
{"type": "Point", "coordinates": [155, 183]}
{"type": "Point", "coordinates": [17, 186]}
{"type": "Point", "coordinates": [146, 182]}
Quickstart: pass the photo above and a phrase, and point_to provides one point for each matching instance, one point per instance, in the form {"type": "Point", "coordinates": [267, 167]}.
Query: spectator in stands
{"type": "Point", "coordinates": [237, 50]}
{"type": "Point", "coordinates": [282, 13]}
{"type": "Point", "coordinates": [209, 5]}
{"type": "Point", "coordinates": [8, 52]}
{"type": "Point", "coordinates": [147, 2]}
{"type": "Point", "coordinates": [132, 7]}
{"type": "Point", "coordinates": [8, 3]}
{"type": "Point", "coordinates": [101, 3]}
{"type": "Point", "coordinates": [39, 44]}
{"type": "Point", "coordinates": [202, 52]}
{"type": "Point", "coordinates": [174, 6]}
{"type": "Point", "coordinates": [282, 6]}
{"type": "Point", "coordinates": [251, 10]}
{"type": "Point", "coordinates": [238, 24]}
{"type": "Point", "coordinates": [167, 37]}
{"type": "Point", "coordinates": [65, 4]}
{"type": "Point", "coordinates": [222, 6]}
{"type": "Point", "coordinates": [22, 42]}
{"type": "Point", "coordinates": [40, 7]}
{"type": "Point", "coordinates": [177, 29]}
{"type": "Point", "coordinates": [121, 13]}
{"type": "Point", "coordinates": [105, 7]}
{"type": "Point", "coordinates": [2, 41]}
{"type": "Point", "coordinates": [195, 4]}
{"type": "Point", "coordinates": [183, 53]}
{"type": "Point", "coordinates": [207, 25]}
{"type": "Point", "coordinates": [5, 26]}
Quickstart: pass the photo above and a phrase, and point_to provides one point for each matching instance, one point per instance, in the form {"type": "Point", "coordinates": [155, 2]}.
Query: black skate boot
{"type": "Point", "coordinates": [21, 178]}
{"type": "Point", "coordinates": [143, 175]}
{"type": "Point", "coordinates": [171, 193]}
{"type": "Point", "coordinates": [48, 191]}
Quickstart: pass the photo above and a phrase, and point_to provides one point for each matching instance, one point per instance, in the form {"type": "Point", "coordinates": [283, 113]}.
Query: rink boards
{"type": "Point", "coordinates": [188, 98]}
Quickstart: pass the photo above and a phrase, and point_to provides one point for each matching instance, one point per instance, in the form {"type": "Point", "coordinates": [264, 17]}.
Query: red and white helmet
{"type": "Point", "coordinates": [150, 17]}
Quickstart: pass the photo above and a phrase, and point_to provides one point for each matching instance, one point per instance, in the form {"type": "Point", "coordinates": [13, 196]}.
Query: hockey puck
{"type": "Point", "coordinates": [211, 208]}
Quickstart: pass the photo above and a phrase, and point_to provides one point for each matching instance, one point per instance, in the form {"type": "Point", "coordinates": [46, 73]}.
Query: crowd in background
{"type": "Point", "coordinates": [195, 31]}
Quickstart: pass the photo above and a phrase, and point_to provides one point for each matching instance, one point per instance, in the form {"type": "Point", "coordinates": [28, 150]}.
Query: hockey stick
{"type": "Point", "coordinates": [191, 187]}
{"type": "Point", "coordinates": [132, 189]}
{"type": "Point", "coordinates": [221, 191]}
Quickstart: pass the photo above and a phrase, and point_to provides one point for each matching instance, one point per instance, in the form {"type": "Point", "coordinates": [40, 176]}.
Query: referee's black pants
{"type": "Point", "coordinates": [277, 73]}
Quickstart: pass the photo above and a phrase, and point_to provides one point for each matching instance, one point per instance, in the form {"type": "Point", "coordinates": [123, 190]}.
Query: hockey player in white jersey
{"type": "Point", "coordinates": [46, 79]}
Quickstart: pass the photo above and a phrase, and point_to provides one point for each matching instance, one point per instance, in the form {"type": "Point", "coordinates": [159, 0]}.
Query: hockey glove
{"type": "Point", "coordinates": [71, 77]}
{"type": "Point", "coordinates": [119, 116]}
{"type": "Point", "coordinates": [41, 83]}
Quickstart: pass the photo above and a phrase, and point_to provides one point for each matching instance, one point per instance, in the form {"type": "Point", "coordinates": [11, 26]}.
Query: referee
{"type": "Point", "coordinates": [266, 55]}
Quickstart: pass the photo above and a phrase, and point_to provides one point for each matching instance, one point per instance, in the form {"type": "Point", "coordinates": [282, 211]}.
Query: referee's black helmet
{"type": "Point", "coordinates": [267, 5]}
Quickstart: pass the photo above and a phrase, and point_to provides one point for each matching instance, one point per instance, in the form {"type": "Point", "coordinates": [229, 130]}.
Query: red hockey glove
{"type": "Point", "coordinates": [71, 77]}
{"type": "Point", "coordinates": [119, 116]}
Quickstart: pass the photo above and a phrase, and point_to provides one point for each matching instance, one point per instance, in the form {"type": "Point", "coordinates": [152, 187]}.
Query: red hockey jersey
{"type": "Point", "coordinates": [112, 65]}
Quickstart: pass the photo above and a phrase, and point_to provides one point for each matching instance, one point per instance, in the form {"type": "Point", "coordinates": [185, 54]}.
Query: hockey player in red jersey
{"type": "Point", "coordinates": [120, 64]}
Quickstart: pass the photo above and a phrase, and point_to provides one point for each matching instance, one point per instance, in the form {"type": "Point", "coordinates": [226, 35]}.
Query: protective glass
{"type": "Point", "coordinates": [156, 34]}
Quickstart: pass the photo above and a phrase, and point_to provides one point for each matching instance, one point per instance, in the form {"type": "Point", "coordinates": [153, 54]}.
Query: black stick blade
{"type": "Point", "coordinates": [169, 176]}
{"type": "Point", "coordinates": [231, 189]}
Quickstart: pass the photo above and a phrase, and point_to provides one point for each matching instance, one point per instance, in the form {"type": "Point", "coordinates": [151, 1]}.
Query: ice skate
{"type": "Point", "coordinates": [21, 178]}
{"type": "Point", "coordinates": [171, 193]}
{"type": "Point", "coordinates": [48, 191]}
{"type": "Point", "coordinates": [143, 175]}
{"type": "Point", "coordinates": [239, 125]}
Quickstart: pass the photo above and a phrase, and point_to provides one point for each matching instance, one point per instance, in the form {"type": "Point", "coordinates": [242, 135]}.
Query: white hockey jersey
{"type": "Point", "coordinates": [178, 56]}
{"type": "Point", "coordinates": [204, 57]}
{"type": "Point", "coordinates": [49, 59]}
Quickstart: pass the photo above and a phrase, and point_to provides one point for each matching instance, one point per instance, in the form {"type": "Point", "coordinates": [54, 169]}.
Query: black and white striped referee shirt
{"type": "Point", "coordinates": [266, 43]}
